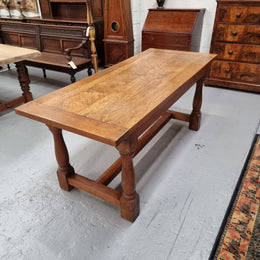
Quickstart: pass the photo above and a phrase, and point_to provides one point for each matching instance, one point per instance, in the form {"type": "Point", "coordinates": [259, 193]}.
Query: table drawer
{"type": "Point", "coordinates": [166, 41]}
{"type": "Point", "coordinates": [231, 14]}
{"type": "Point", "coordinates": [237, 52]}
{"type": "Point", "coordinates": [238, 33]}
{"type": "Point", "coordinates": [235, 71]}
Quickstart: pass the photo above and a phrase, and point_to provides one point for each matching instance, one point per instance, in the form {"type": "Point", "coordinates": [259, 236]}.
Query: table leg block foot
{"type": "Point", "coordinates": [63, 181]}
{"type": "Point", "coordinates": [195, 119]}
{"type": "Point", "coordinates": [130, 209]}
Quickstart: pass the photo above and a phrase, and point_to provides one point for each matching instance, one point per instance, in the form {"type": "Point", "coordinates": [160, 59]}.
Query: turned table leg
{"type": "Point", "coordinates": [129, 202]}
{"type": "Point", "coordinates": [24, 81]}
{"type": "Point", "coordinates": [195, 116]}
{"type": "Point", "coordinates": [65, 169]}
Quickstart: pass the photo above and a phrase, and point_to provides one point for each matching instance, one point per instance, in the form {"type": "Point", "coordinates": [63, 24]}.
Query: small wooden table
{"type": "Point", "coordinates": [123, 106]}
{"type": "Point", "coordinates": [10, 54]}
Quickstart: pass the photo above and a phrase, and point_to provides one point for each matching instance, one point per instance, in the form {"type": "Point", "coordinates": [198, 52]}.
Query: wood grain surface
{"type": "Point", "coordinates": [10, 54]}
{"type": "Point", "coordinates": [126, 98]}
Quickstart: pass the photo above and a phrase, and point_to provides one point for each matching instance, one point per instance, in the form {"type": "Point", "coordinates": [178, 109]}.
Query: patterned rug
{"type": "Point", "coordinates": [239, 237]}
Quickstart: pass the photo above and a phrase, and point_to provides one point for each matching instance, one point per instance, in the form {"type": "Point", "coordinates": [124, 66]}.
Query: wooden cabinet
{"type": "Point", "coordinates": [74, 10]}
{"type": "Point", "coordinates": [236, 40]}
{"type": "Point", "coordinates": [176, 29]}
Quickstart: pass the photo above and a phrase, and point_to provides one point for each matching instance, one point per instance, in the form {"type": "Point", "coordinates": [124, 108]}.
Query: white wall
{"type": "Point", "coordinates": [140, 9]}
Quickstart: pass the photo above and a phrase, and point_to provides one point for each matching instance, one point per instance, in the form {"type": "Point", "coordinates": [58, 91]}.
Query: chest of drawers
{"type": "Point", "coordinates": [174, 29]}
{"type": "Point", "coordinates": [236, 40]}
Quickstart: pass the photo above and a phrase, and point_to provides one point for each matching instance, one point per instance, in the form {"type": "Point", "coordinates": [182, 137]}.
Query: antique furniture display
{"type": "Point", "coordinates": [53, 38]}
{"type": "Point", "coordinates": [123, 106]}
{"type": "Point", "coordinates": [175, 29]}
{"type": "Point", "coordinates": [10, 54]}
{"type": "Point", "coordinates": [118, 31]}
{"type": "Point", "coordinates": [66, 46]}
{"type": "Point", "coordinates": [236, 40]}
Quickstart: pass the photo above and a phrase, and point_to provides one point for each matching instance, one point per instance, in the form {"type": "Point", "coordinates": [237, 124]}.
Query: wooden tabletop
{"type": "Point", "coordinates": [122, 99]}
{"type": "Point", "coordinates": [10, 54]}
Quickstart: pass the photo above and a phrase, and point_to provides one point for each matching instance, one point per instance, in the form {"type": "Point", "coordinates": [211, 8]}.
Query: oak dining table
{"type": "Point", "coordinates": [12, 54]}
{"type": "Point", "coordinates": [124, 106]}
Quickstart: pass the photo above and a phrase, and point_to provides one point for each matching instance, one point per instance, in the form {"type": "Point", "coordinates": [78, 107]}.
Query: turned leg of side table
{"type": "Point", "coordinates": [65, 169]}
{"type": "Point", "coordinates": [24, 81]}
{"type": "Point", "coordinates": [129, 202]}
{"type": "Point", "coordinates": [195, 116]}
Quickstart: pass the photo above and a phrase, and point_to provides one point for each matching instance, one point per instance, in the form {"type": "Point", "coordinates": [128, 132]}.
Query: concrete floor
{"type": "Point", "coordinates": [185, 180]}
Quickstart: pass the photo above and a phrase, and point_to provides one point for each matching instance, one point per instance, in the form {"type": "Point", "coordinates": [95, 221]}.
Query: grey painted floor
{"type": "Point", "coordinates": [185, 180]}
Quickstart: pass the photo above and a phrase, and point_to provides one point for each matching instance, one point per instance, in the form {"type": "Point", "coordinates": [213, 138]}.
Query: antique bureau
{"type": "Point", "coordinates": [173, 29]}
{"type": "Point", "coordinates": [236, 39]}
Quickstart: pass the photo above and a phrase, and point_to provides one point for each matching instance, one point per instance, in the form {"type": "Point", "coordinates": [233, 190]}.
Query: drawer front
{"type": "Point", "coordinates": [238, 33]}
{"type": "Point", "coordinates": [166, 41]}
{"type": "Point", "coordinates": [235, 71]}
{"type": "Point", "coordinates": [231, 14]}
{"type": "Point", "coordinates": [237, 52]}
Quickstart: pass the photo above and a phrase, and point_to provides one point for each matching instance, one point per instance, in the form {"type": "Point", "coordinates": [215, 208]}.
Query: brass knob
{"type": "Point", "coordinates": [238, 15]}
{"type": "Point", "coordinates": [230, 52]}
{"type": "Point", "coordinates": [234, 33]}
{"type": "Point", "coordinates": [227, 70]}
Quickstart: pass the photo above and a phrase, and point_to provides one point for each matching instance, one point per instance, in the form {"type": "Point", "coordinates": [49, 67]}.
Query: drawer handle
{"type": "Point", "coordinates": [177, 40]}
{"type": "Point", "coordinates": [227, 70]}
{"type": "Point", "coordinates": [230, 52]}
{"type": "Point", "coordinates": [234, 33]}
{"type": "Point", "coordinates": [152, 39]}
{"type": "Point", "coordinates": [238, 15]}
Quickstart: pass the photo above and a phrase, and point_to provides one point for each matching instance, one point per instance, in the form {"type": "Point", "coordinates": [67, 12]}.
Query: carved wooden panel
{"type": "Point", "coordinates": [11, 38]}
{"type": "Point", "coordinates": [28, 41]}
{"type": "Point", "coordinates": [115, 53]}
